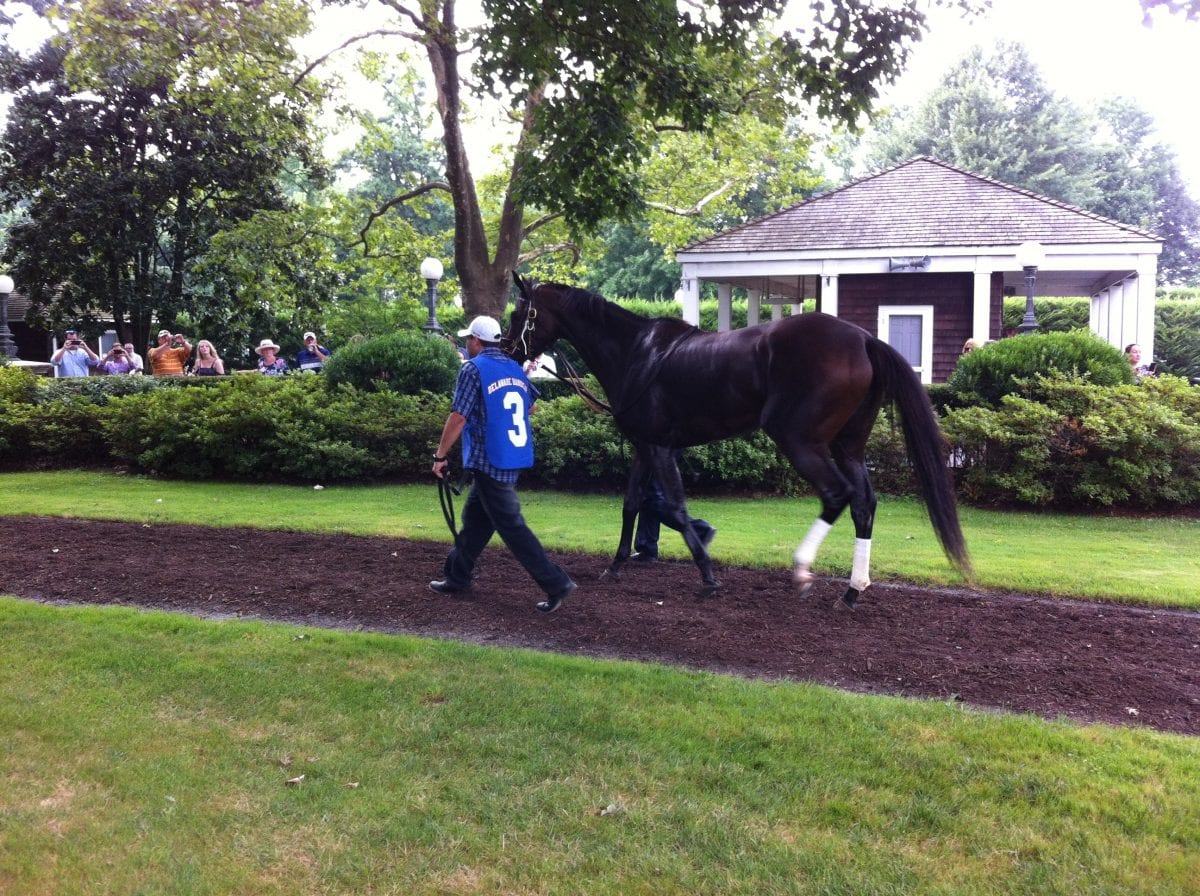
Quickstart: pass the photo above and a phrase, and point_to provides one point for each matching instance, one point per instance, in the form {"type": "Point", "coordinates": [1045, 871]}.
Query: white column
{"type": "Point", "coordinates": [1094, 313]}
{"type": "Point", "coordinates": [1103, 300]}
{"type": "Point", "coordinates": [981, 308]}
{"type": "Point", "coordinates": [1146, 279]}
{"type": "Point", "coordinates": [1129, 314]}
{"type": "Point", "coordinates": [753, 307]}
{"type": "Point", "coordinates": [724, 300]}
{"type": "Point", "coordinates": [1116, 296]}
{"type": "Point", "coordinates": [689, 297]}
{"type": "Point", "coordinates": [776, 310]}
{"type": "Point", "coordinates": [829, 294]}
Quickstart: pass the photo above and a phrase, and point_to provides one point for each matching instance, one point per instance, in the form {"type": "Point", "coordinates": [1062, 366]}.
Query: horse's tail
{"type": "Point", "coordinates": [926, 452]}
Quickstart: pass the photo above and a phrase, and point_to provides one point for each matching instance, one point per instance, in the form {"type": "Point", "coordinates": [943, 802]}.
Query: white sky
{"type": "Point", "coordinates": [1086, 50]}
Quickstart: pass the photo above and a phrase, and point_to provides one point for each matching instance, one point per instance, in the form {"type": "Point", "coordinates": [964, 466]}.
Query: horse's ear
{"type": "Point", "coordinates": [519, 282]}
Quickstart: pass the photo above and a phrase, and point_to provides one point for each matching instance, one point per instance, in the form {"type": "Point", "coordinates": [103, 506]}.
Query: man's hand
{"type": "Point", "coordinates": [440, 467]}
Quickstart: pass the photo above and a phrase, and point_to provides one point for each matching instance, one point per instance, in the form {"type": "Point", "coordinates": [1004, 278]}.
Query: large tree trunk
{"type": "Point", "coordinates": [485, 280]}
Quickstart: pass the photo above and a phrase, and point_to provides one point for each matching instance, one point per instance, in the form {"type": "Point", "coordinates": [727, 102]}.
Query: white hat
{"type": "Point", "coordinates": [266, 344]}
{"type": "Point", "coordinates": [309, 335]}
{"type": "Point", "coordinates": [162, 333]}
{"type": "Point", "coordinates": [483, 328]}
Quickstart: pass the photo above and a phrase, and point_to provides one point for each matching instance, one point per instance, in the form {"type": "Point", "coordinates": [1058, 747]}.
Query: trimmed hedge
{"type": "Point", "coordinates": [1079, 445]}
{"type": "Point", "coordinates": [1059, 441]}
{"type": "Point", "coordinates": [1001, 368]}
{"type": "Point", "coordinates": [406, 362]}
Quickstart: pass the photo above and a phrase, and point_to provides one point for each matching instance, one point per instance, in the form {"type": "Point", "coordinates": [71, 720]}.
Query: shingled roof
{"type": "Point", "coordinates": [922, 203]}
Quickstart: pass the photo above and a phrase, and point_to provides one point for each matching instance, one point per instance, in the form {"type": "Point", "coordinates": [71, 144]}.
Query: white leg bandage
{"type": "Point", "coordinates": [860, 573]}
{"type": "Point", "coordinates": [807, 552]}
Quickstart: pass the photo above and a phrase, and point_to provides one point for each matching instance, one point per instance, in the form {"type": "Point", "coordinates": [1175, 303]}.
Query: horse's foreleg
{"type": "Point", "coordinates": [675, 515]}
{"type": "Point", "coordinates": [639, 476]}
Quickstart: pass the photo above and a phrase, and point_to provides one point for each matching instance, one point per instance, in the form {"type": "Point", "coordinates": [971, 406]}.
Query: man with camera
{"type": "Point", "coordinates": [74, 357]}
{"type": "Point", "coordinates": [117, 361]}
{"type": "Point", "coordinates": [170, 355]}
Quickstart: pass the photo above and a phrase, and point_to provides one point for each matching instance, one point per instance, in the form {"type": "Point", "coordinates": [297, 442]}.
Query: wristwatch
{"type": "Point", "coordinates": [438, 460]}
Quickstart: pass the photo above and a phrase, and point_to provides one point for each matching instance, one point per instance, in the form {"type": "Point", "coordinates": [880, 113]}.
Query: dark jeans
{"type": "Point", "coordinates": [493, 507]}
{"type": "Point", "coordinates": [650, 520]}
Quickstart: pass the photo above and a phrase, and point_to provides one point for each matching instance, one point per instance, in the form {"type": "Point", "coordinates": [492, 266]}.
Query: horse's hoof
{"type": "Point", "coordinates": [610, 573]}
{"type": "Point", "coordinates": [804, 581]}
{"type": "Point", "coordinates": [709, 589]}
{"type": "Point", "coordinates": [850, 598]}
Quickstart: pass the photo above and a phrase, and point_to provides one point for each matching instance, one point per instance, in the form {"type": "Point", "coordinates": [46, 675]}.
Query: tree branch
{"type": "Point", "coordinates": [550, 249]}
{"type": "Point", "coordinates": [383, 32]}
{"type": "Point", "coordinates": [399, 200]}
{"type": "Point", "coordinates": [540, 222]}
{"type": "Point", "coordinates": [696, 209]}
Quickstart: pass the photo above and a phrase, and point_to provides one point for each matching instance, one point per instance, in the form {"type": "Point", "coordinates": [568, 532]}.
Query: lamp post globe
{"type": "Point", "coordinates": [432, 270]}
{"type": "Point", "coordinates": [1030, 256]}
{"type": "Point", "coordinates": [7, 347]}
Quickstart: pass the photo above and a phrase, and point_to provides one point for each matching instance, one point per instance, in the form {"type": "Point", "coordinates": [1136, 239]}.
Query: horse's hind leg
{"type": "Point", "coordinates": [862, 511]}
{"type": "Point", "coordinates": [814, 463]}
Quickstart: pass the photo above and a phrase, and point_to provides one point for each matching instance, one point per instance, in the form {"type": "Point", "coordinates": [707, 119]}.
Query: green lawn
{"type": "Point", "coordinates": [148, 753]}
{"type": "Point", "coordinates": [1143, 560]}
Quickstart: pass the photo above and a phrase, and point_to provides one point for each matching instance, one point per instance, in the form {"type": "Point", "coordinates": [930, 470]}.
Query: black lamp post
{"type": "Point", "coordinates": [431, 270]}
{"type": "Point", "coordinates": [7, 346]}
{"type": "Point", "coordinates": [1030, 256]}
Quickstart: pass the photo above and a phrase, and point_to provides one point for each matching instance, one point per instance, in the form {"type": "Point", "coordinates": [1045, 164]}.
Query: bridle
{"type": "Point", "coordinates": [522, 341]}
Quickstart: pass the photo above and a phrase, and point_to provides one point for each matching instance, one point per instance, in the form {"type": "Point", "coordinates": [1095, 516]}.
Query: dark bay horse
{"type": "Point", "coordinates": [812, 382]}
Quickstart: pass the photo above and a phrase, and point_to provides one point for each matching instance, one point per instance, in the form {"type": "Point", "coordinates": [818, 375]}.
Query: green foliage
{"type": "Point", "coordinates": [632, 266]}
{"type": "Point", "coordinates": [274, 427]}
{"type": "Point", "coordinates": [406, 361]}
{"type": "Point", "coordinates": [576, 448]}
{"type": "Point", "coordinates": [136, 134]}
{"type": "Point", "coordinates": [1054, 315]}
{"type": "Point", "coordinates": [1177, 337]}
{"type": "Point", "coordinates": [1012, 365]}
{"type": "Point", "coordinates": [1082, 445]}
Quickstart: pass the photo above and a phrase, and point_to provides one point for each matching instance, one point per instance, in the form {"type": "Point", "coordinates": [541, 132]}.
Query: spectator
{"type": "Point", "coordinates": [490, 411]}
{"type": "Point", "coordinates": [117, 362]}
{"type": "Point", "coordinates": [1133, 354]}
{"type": "Point", "coordinates": [268, 363]}
{"type": "Point", "coordinates": [139, 366]}
{"type": "Point", "coordinates": [313, 356]}
{"type": "Point", "coordinates": [74, 357]}
{"type": "Point", "coordinates": [170, 355]}
{"type": "Point", "coordinates": [969, 346]}
{"type": "Point", "coordinates": [208, 363]}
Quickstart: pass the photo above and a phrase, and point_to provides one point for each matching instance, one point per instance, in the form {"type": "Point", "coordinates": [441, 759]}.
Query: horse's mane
{"type": "Point", "coordinates": [596, 306]}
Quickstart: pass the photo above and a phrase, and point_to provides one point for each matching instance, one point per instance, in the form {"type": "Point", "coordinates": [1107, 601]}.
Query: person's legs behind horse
{"type": "Point", "coordinates": [652, 514]}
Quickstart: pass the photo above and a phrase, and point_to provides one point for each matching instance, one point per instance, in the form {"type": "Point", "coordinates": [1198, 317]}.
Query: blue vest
{"type": "Point", "coordinates": [506, 399]}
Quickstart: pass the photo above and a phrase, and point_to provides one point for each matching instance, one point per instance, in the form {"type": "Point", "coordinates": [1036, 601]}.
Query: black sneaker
{"type": "Point", "coordinates": [444, 586]}
{"type": "Point", "coordinates": [554, 601]}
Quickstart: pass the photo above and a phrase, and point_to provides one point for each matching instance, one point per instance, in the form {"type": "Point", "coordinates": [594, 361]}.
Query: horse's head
{"type": "Point", "coordinates": [534, 326]}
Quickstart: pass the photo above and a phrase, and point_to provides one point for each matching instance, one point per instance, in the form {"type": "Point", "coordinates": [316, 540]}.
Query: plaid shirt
{"type": "Point", "coordinates": [468, 401]}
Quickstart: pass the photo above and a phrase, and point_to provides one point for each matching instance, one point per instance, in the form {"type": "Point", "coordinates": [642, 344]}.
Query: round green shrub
{"type": "Point", "coordinates": [1010, 366]}
{"type": "Point", "coordinates": [406, 361]}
